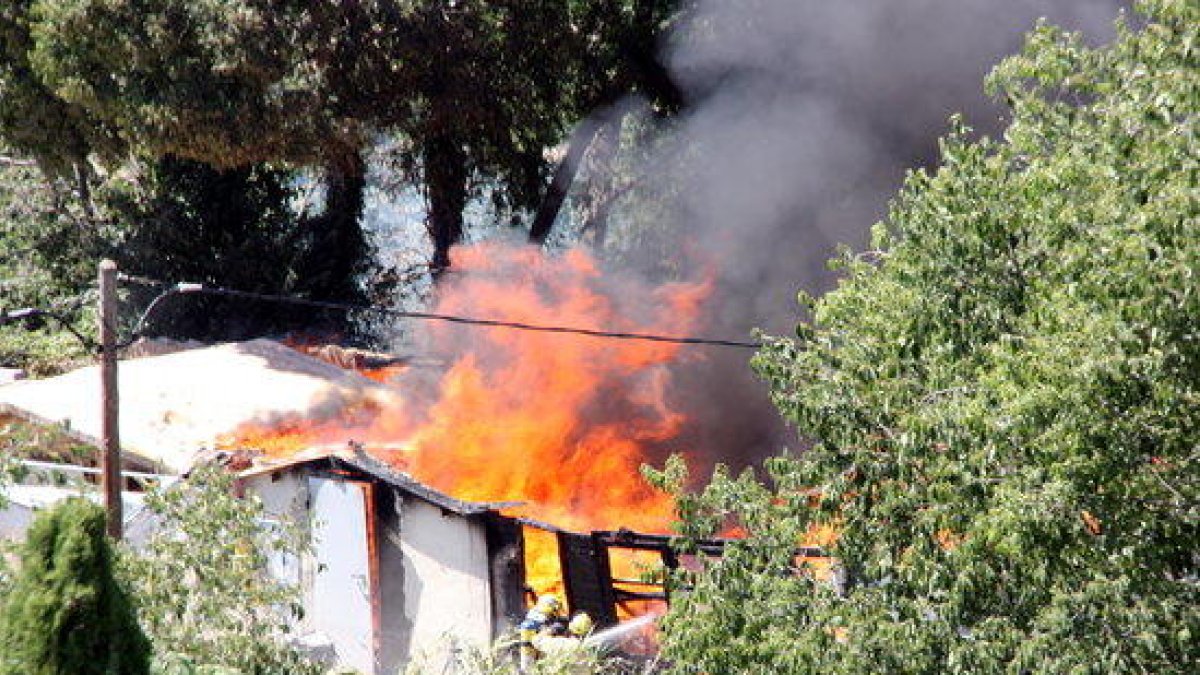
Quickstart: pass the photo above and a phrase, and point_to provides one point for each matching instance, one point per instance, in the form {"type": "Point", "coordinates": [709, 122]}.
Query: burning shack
{"type": "Point", "coordinates": [398, 569]}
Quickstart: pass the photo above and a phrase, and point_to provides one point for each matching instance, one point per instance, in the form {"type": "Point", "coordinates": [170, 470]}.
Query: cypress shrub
{"type": "Point", "coordinates": [66, 613]}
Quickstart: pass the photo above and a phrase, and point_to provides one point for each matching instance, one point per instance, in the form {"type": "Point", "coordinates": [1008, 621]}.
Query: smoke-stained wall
{"type": "Point", "coordinates": [803, 116]}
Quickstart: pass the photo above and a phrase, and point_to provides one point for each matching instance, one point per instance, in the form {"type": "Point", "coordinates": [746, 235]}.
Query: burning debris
{"type": "Point", "coordinates": [560, 424]}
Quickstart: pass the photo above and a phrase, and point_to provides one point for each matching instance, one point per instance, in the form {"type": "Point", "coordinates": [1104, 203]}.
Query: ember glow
{"type": "Point", "coordinates": [559, 422]}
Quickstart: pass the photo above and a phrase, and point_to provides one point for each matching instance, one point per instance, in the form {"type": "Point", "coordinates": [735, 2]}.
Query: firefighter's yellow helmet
{"type": "Point", "coordinates": [581, 624]}
{"type": "Point", "coordinates": [549, 605]}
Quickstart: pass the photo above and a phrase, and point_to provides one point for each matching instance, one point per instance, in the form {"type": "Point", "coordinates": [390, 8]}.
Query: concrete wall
{"type": "Point", "coordinates": [14, 521]}
{"type": "Point", "coordinates": [446, 592]}
{"type": "Point", "coordinates": [432, 567]}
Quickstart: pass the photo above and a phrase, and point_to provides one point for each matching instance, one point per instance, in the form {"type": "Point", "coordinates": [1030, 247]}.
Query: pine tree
{"type": "Point", "coordinates": [66, 614]}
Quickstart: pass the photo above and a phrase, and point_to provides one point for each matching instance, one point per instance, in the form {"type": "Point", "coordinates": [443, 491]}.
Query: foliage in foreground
{"type": "Point", "coordinates": [65, 612]}
{"type": "Point", "coordinates": [1004, 401]}
{"type": "Point", "coordinates": [500, 658]}
{"type": "Point", "coordinates": [204, 592]}
{"type": "Point", "coordinates": [201, 587]}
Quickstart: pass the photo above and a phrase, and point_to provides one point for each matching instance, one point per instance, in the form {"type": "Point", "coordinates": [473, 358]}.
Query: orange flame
{"type": "Point", "coordinates": [560, 422]}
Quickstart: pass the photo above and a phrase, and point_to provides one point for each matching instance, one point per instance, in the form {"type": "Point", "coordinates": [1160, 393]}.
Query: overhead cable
{"type": "Point", "coordinates": [32, 313]}
{"type": "Point", "coordinates": [188, 288]}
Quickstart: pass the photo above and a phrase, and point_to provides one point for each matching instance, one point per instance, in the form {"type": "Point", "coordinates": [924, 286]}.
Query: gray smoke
{"type": "Point", "coordinates": [804, 116]}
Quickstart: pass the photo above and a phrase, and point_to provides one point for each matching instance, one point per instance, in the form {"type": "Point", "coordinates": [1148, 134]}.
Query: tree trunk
{"type": "Point", "coordinates": [642, 71]}
{"type": "Point", "coordinates": [343, 242]}
{"type": "Point", "coordinates": [337, 253]}
{"type": "Point", "coordinates": [604, 192]}
{"type": "Point", "coordinates": [83, 190]}
{"type": "Point", "coordinates": [446, 187]}
{"type": "Point", "coordinates": [640, 49]}
{"type": "Point", "coordinates": [564, 175]}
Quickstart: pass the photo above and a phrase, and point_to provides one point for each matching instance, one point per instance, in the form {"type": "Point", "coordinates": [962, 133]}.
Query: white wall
{"type": "Point", "coordinates": [24, 501]}
{"type": "Point", "coordinates": [343, 586]}
{"type": "Point", "coordinates": [284, 497]}
{"type": "Point", "coordinates": [447, 595]}
{"type": "Point", "coordinates": [14, 521]}
{"type": "Point", "coordinates": [441, 572]}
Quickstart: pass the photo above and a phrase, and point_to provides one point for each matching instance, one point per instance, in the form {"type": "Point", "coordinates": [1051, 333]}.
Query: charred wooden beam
{"type": "Point", "coordinates": [587, 577]}
{"type": "Point", "coordinates": [506, 568]}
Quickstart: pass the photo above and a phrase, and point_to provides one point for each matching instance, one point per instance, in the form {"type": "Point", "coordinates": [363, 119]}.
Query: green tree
{"type": "Point", "coordinates": [491, 92]}
{"type": "Point", "coordinates": [35, 121]}
{"type": "Point", "coordinates": [47, 257]}
{"type": "Point", "coordinates": [233, 85]}
{"type": "Point", "coordinates": [214, 81]}
{"type": "Point", "coordinates": [204, 591]}
{"type": "Point", "coordinates": [238, 83]}
{"type": "Point", "coordinates": [200, 84]}
{"type": "Point", "coordinates": [171, 220]}
{"type": "Point", "coordinates": [1003, 401]}
{"type": "Point", "coordinates": [235, 228]}
{"type": "Point", "coordinates": [230, 85]}
{"type": "Point", "coordinates": [65, 612]}
{"type": "Point", "coordinates": [477, 91]}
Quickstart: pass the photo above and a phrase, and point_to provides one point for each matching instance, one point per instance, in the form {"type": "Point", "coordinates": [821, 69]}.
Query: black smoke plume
{"type": "Point", "coordinates": [802, 117]}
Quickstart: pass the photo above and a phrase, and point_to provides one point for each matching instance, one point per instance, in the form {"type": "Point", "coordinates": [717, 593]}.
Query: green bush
{"type": "Point", "coordinates": [65, 611]}
{"type": "Point", "coordinates": [202, 585]}
{"type": "Point", "coordinates": [1002, 400]}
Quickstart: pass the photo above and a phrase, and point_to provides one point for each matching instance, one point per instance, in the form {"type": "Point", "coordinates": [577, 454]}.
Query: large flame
{"type": "Point", "coordinates": [560, 422]}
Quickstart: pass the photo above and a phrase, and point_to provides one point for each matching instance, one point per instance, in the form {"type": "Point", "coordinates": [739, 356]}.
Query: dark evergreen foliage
{"type": "Point", "coordinates": [66, 614]}
{"type": "Point", "coordinates": [236, 228]}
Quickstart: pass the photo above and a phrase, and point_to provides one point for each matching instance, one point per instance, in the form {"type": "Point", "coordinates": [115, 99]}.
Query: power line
{"type": "Point", "coordinates": [32, 313]}
{"type": "Point", "coordinates": [186, 288]}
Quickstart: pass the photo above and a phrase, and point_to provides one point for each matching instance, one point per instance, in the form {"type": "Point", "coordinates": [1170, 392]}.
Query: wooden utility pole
{"type": "Point", "coordinates": [110, 436]}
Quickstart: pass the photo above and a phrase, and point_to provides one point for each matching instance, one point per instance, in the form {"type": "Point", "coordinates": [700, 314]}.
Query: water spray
{"type": "Point", "coordinates": [610, 638]}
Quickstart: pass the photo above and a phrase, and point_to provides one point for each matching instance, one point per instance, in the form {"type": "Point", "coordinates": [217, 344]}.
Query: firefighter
{"type": "Point", "coordinates": [563, 638]}
{"type": "Point", "coordinates": [545, 614]}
